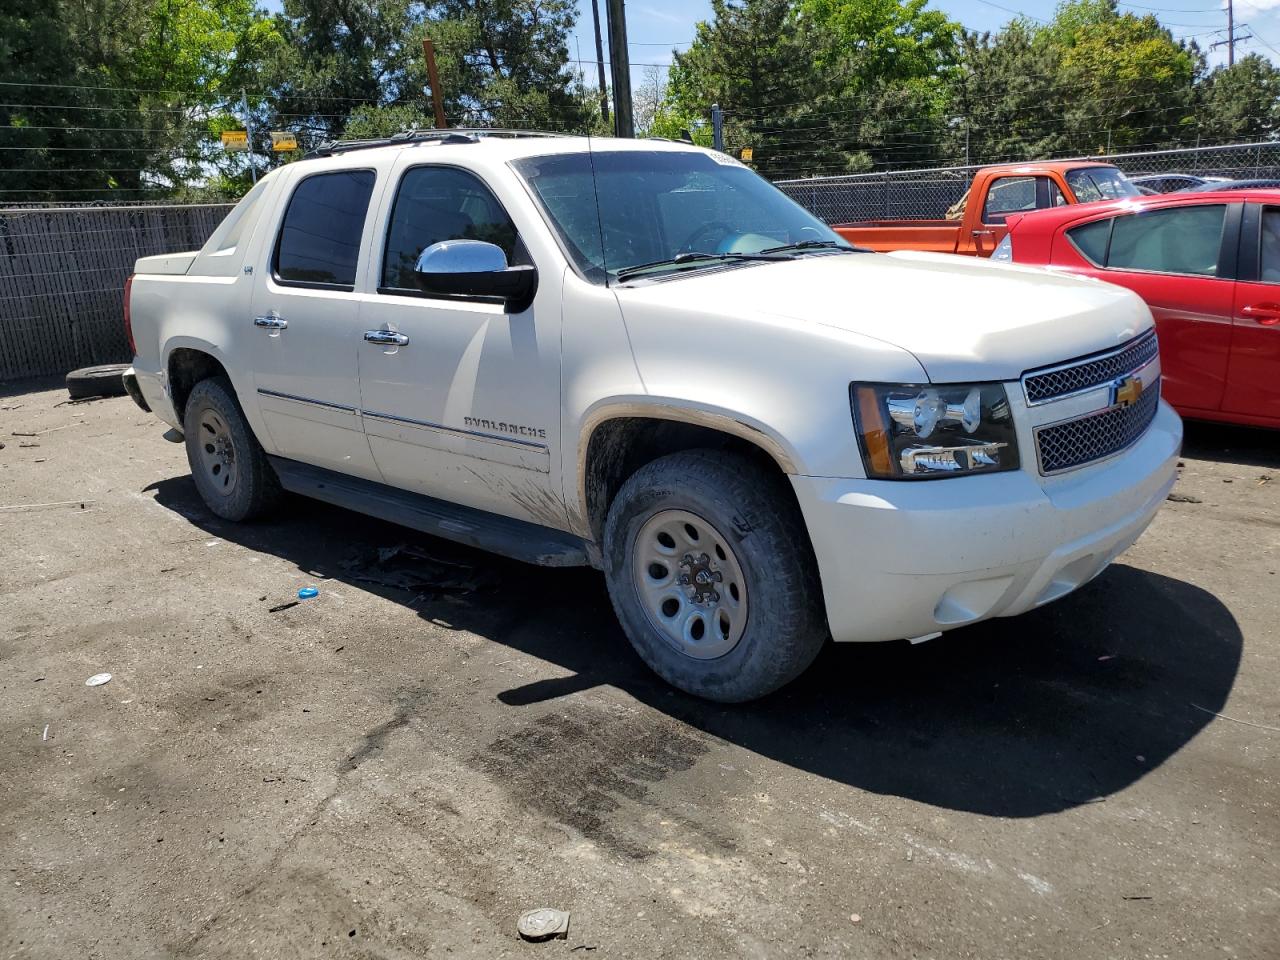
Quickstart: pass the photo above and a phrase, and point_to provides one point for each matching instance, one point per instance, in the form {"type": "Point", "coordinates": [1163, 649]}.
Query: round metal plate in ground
{"type": "Point", "coordinates": [690, 584]}
{"type": "Point", "coordinates": [218, 452]}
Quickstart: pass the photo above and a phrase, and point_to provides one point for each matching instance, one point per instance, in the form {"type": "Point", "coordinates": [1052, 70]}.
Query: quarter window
{"type": "Point", "coordinates": [442, 203]}
{"type": "Point", "coordinates": [319, 241]}
{"type": "Point", "coordinates": [1091, 240]}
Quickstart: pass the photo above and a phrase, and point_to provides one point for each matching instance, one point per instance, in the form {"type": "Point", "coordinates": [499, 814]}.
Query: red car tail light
{"type": "Point", "coordinates": [128, 321]}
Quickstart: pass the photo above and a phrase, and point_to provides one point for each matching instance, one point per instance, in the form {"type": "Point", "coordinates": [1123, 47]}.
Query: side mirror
{"type": "Point", "coordinates": [473, 268]}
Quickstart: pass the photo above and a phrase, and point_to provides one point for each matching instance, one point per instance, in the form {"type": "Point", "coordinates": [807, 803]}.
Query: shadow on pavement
{"type": "Point", "coordinates": [1011, 718]}
{"type": "Point", "coordinates": [1227, 443]}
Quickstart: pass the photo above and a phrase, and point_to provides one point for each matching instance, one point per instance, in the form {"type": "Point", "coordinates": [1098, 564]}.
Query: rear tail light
{"type": "Point", "coordinates": [128, 320]}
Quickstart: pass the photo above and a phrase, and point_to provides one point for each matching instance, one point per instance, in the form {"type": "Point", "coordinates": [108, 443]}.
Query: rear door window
{"type": "Point", "coordinates": [1181, 240]}
{"type": "Point", "coordinates": [319, 242]}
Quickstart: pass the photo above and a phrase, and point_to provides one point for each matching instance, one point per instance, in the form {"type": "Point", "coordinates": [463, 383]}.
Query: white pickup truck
{"type": "Point", "coordinates": [638, 355]}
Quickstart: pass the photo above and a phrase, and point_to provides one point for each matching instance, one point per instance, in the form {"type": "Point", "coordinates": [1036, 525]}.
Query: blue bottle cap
{"type": "Point", "coordinates": [306, 593]}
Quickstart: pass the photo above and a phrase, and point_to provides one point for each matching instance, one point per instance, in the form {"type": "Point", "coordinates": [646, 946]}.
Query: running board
{"type": "Point", "coordinates": [517, 539]}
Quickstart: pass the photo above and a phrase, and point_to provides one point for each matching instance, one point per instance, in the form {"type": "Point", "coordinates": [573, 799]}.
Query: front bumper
{"type": "Point", "coordinates": [908, 559]}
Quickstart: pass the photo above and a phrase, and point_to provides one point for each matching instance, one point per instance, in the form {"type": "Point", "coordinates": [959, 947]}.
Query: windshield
{"type": "Point", "coordinates": [655, 206]}
{"type": "Point", "coordinates": [1100, 183]}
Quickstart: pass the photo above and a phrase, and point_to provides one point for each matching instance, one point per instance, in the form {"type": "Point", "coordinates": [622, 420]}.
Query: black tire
{"type": "Point", "coordinates": [229, 466]}
{"type": "Point", "coordinates": [102, 381]}
{"type": "Point", "coordinates": [755, 513]}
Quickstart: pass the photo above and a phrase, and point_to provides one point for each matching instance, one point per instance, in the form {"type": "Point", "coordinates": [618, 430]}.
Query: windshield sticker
{"type": "Point", "coordinates": [725, 160]}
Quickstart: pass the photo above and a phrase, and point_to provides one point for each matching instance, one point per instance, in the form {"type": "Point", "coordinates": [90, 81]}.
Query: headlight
{"type": "Point", "coordinates": [910, 432]}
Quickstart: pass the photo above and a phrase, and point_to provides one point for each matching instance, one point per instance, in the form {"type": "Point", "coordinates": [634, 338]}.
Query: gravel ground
{"type": "Point", "coordinates": [442, 740]}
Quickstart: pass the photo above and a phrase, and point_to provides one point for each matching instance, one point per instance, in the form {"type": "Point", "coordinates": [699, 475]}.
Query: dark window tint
{"type": "Point", "coordinates": [1091, 240]}
{"type": "Point", "coordinates": [1182, 240]}
{"type": "Point", "coordinates": [320, 239]}
{"type": "Point", "coordinates": [441, 203]}
{"type": "Point", "coordinates": [1270, 246]}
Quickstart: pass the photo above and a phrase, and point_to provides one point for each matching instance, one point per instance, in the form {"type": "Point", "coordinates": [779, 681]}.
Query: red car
{"type": "Point", "coordinates": [1208, 265]}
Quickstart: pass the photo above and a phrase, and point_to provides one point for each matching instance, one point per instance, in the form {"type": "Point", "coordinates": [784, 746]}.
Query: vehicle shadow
{"type": "Point", "coordinates": [1017, 717]}
{"type": "Point", "coordinates": [1228, 443]}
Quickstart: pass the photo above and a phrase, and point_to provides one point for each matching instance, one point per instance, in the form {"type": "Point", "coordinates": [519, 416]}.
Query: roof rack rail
{"type": "Point", "coordinates": [449, 135]}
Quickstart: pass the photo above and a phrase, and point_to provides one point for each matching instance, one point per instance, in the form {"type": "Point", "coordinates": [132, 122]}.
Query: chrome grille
{"type": "Point", "coordinates": [1090, 372]}
{"type": "Point", "coordinates": [1077, 442]}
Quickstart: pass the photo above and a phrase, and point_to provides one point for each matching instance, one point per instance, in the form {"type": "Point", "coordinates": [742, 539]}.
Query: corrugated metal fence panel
{"type": "Point", "coordinates": [62, 272]}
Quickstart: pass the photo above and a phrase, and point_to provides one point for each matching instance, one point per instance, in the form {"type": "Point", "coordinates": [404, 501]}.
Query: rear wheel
{"type": "Point", "coordinates": [228, 464]}
{"type": "Point", "coordinates": [711, 574]}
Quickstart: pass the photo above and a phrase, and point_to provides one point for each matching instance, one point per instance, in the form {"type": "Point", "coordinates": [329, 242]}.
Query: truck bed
{"type": "Point", "coordinates": [936, 236]}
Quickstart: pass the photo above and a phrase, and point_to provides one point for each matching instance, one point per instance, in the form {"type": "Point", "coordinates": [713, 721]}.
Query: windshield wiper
{"type": "Point", "coordinates": [811, 245]}
{"type": "Point", "coordinates": [681, 259]}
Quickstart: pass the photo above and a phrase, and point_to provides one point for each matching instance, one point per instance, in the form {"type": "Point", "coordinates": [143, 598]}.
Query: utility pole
{"type": "Point", "coordinates": [437, 98]}
{"type": "Point", "coordinates": [1230, 41]}
{"type": "Point", "coordinates": [620, 62]}
{"type": "Point", "coordinates": [604, 87]}
{"type": "Point", "coordinates": [1231, 33]}
{"type": "Point", "coordinates": [248, 135]}
{"type": "Point", "coordinates": [717, 127]}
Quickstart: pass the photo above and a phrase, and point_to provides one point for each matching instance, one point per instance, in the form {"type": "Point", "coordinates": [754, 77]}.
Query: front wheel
{"type": "Point", "coordinates": [710, 571]}
{"type": "Point", "coordinates": [228, 464]}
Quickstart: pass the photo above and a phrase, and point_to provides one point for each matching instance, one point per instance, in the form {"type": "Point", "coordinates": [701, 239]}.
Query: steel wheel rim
{"type": "Point", "coordinates": [217, 452]}
{"type": "Point", "coordinates": [690, 584]}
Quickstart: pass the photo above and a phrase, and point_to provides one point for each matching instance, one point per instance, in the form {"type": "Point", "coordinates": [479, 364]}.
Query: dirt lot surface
{"type": "Point", "coordinates": [442, 740]}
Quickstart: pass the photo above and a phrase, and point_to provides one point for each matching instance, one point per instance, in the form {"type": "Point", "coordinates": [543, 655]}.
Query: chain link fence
{"type": "Point", "coordinates": [926, 194]}
{"type": "Point", "coordinates": [62, 268]}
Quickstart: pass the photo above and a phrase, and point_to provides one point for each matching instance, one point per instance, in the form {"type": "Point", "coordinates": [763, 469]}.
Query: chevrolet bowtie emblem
{"type": "Point", "coordinates": [1126, 391]}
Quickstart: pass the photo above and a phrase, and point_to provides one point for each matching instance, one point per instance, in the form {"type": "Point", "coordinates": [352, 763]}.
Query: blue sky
{"type": "Point", "coordinates": [655, 26]}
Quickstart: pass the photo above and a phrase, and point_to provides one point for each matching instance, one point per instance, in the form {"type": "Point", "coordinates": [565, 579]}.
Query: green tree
{"type": "Point", "coordinates": [501, 63]}
{"type": "Point", "coordinates": [1241, 102]}
{"type": "Point", "coordinates": [1124, 81]}
{"type": "Point", "coordinates": [751, 59]}
{"type": "Point", "coordinates": [507, 62]}
{"type": "Point", "coordinates": [1003, 103]}
{"type": "Point", "coordinates": [61, 137]}
{"type": "Point", "coordinates": [339, 55]}
{"type": "Point", "coordinates": [1090, 81]}
{"type": "Point", "coordinates": [820, 86]}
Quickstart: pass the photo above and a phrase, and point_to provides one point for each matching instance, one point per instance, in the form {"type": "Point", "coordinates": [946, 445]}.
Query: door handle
{"type": "Point", "coordinates": [1267, 314]}
{"type": "Point", "coordinates": [387, 337]}
{"type": "Point", "coordinates": [271, 322]}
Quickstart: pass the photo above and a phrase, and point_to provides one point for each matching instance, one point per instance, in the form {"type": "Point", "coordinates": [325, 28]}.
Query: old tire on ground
{"type": "Point", "coordinates": [106, 380]}
{"type": "Point", "coordinates": [711, 573]}
{"type": "Point", "coordinates": [228, 464]}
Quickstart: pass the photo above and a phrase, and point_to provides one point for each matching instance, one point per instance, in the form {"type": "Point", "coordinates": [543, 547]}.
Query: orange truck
{"type": "Point", "coordinates": [975, 225]}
